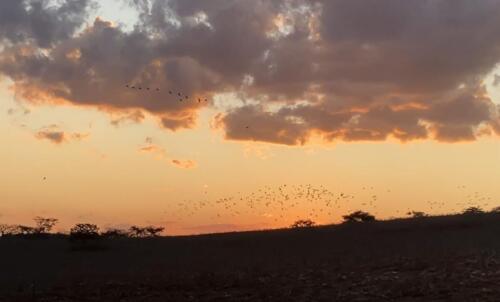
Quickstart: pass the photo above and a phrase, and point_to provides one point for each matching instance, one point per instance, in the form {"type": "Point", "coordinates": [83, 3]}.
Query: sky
{"type": "Point", "coordinates": [295, 109]}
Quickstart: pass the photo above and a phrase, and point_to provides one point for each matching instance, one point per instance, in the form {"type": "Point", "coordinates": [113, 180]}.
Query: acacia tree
{"type": "Point", "coordinates": [303, 223]}
{"type": "Point", "coordinates": [358, 216]}
{"type": "Point", "coordinates": [44, 225]}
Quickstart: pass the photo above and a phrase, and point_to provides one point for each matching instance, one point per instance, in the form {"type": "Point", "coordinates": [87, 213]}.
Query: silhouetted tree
{"type": "Point", "coordinates": [84, 231]}
{"type": "Point", "coordinates": [153, 231]}
{"type": "Point", "coordinates": [303, 223]}
{"type": "Point", "coordinates": [115, 233]}
{"type": "Point", "coordinates": [25, 230]}
{"type": "Point", "coordinates": [473, 211]}
{"type": "Point", "coordinates": [7, 230]}
{"type": "Point", "coordinates": [416, 214]}
{"type": "Point", "coordinates": [144, 232]}
{"type": "Point", "coordinates": [359, 216]}
{"type": "Point", "coordinates": [45, 225]}
{"type": "Point", "coordinates": [495, 210]}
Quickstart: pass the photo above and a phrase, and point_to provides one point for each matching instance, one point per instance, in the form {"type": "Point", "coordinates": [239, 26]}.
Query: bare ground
{"type": "Point", "coordinates": [433, 259]}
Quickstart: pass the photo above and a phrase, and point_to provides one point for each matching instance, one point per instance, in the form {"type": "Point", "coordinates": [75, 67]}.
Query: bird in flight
{"type": "Point", "coordinates": [179, 94]}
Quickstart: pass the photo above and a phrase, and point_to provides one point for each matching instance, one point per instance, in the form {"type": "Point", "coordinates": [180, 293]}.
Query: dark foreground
{"type": "Point", "coordinates": [431, 259]}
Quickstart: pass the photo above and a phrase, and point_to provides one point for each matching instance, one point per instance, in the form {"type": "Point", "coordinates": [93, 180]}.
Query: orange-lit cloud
{"type": "Point", "coordinates": [135, 116]}
{"type": "Point", "coordinates": [185, 164]}
{"type": "Point", "coordinates": [327, 68]}
{"type": "Point", "coordinates": [53, 134]}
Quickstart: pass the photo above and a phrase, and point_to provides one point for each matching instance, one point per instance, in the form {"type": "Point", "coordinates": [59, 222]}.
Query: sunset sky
{"type": "Point", "coordinates": [383, 106]}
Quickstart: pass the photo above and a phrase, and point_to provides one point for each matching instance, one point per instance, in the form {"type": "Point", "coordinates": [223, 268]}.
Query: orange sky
{"type": "Point", "coordinates": [179, 167]}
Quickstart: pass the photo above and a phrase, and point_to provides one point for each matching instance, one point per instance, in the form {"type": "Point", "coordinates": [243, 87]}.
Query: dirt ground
{"type": "Point", "coordinates": [445, 259]}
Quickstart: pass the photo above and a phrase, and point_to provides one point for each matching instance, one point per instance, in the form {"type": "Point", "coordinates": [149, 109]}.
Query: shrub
{"type": "Point", "coordinates": [359, 216]}
{"type": "Point", "coordinates": [145, 232]}
{"type": "Point", "coordinates": [7, 230]}
{"type": "Point", "coordinates": [495, 210]}
{"type": "Point", "coordinates": [416, 214]}
{"type": "Point", "coordinates": [44, 225]}
{"type": "Point", "coordinates": [303, 223]}
{"type": "Point", "coordinates": [115, 233]}
{"type": "Point", "coordinates": [473, 211]}
{"type": "Point", "coordinates": [84, 231]}
{"type": "Point", "coordinates": [25, 230]}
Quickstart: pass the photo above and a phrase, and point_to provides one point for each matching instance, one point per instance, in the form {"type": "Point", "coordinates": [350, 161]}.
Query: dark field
{"type": "Point", "coordinates": [454, 258]}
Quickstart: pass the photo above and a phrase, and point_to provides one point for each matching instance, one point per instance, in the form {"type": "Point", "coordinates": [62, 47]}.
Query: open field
{"type": "Point", "coordinates": [452, 258]}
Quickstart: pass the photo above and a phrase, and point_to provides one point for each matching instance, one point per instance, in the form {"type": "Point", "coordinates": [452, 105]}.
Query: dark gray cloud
{"type": "Point", "coordinates": [347, 70]}
{"type": "Point", "coordinates": [40, 21]}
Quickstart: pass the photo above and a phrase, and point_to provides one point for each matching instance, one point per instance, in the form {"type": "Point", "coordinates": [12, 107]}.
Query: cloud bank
{"type": "Point", "coordinates": [352, 70]}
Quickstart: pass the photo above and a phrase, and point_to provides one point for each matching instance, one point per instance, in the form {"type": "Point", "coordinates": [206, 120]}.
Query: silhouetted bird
{"type": "Point", "coordinates": [169, 92]}
{"type": "Point", "coordinates": [157, 89]}
{"type": "Point", "coordinates": [133, 87]}
{"type": "Point", "coordinates": [126, 86]}
{"type": "Point", "coordinates": [178, 93]}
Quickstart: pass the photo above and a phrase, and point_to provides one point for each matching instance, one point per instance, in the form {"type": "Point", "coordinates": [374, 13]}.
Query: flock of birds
{"type": "Point", "coordinates": [307, 201]}
{"type": "Point", "coordinates": [181, 96]}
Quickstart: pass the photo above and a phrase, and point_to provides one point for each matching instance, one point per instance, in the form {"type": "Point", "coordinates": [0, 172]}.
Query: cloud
{"type": "Point", "coordinates": [40, 22]}
{"type": "Point", "coordinates": [135, 116]}
{"type": "Point", "coordinates": [153, 149]}
{"type": "Point", "coordinates": [56, 136]}
{"type": "Point", "coordinates": [184, 164]}
{"type": "Point", "coordinates": [161, 154]}
{"type": "Point", "coordinates": [341, 70]}
{"type": "Point", "coordinates": [496, 80]}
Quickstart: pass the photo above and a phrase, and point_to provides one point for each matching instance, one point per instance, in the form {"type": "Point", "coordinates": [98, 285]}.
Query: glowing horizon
{"type": "Point", "coordinates": [409, 136]}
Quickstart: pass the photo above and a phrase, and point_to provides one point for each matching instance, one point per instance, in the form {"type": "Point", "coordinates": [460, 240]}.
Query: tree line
{"type": "Point", "coordinates": [361, 216]}
{"type": "Point", "coordinates": [44, 226]}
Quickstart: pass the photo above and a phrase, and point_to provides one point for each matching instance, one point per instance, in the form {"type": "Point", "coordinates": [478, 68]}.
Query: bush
{"type": "Point", "coordinates": [7, 230]}
{"type": "Point", "coordinates": [44, 225]}
{"type": "Point", "coordinates": [473, 211]}
{"type": "Point", "coordinates": [115, 233]}
{"type": "Point", "coordinates": [495, 210]}
{"type": "Point", "coordinates": [416, 214]}
{"type": "Point", "coordinates": [359, 216]}
{"type": "Point", "coordinates": [25, 230]}
{"type": "Point", "coordinates": [145, 232]}
{"type": "Point", "coordinates": [303, 223]}
{"type": "Point", "coordinates": [84, 231]}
